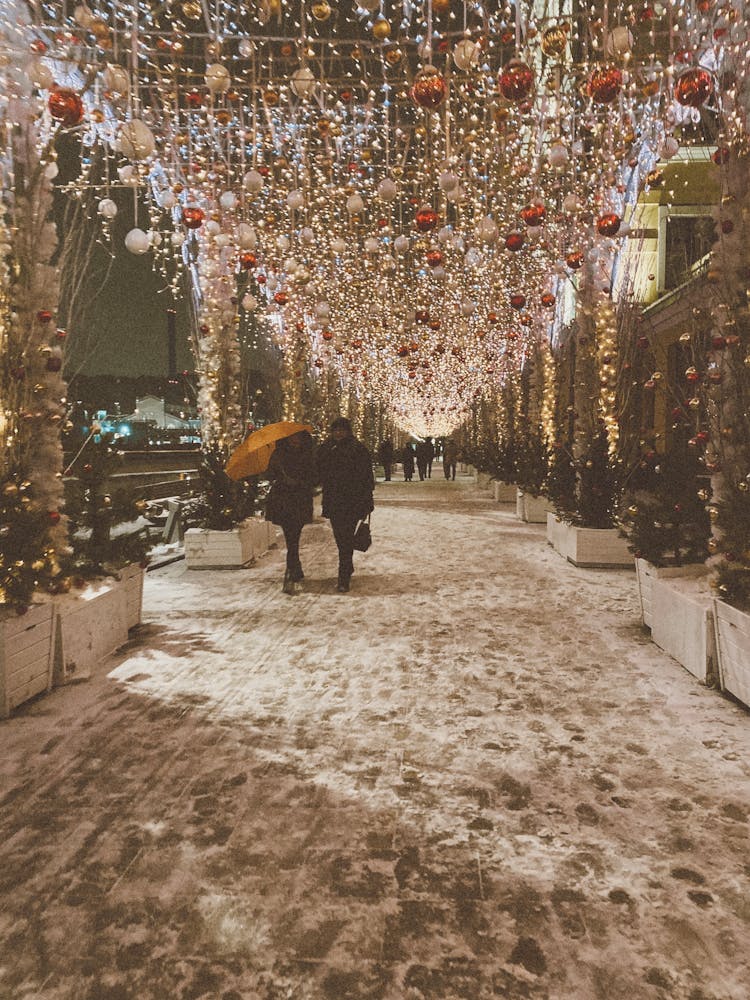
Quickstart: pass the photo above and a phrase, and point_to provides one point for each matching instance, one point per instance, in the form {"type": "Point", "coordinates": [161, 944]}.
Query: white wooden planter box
{"type": "Point", "coordinates": [230, 549]}
{"type": "Point", "coordinates": [503, 492]}
{"type": "Point", "coordinates": [131, 579]}
{"type": "Point", "coordinates": [682, 624]}
{"type": "Point", "coordinates": [89, 626]}
{"type": "Point", "coordinates": [531, 509]}
{"type": "Point", "coordinates": [592, 548]}
{"type": "Point", "coordinates": [646, 573]}
{"type": "Point", "coordinates": [264, 536]}
{"type": "Point", "coordinates": [483, 481]}
{"type": "Point", "coordinates": [733, 647]}
{"type": "Point", "coordinates": [26, 644]}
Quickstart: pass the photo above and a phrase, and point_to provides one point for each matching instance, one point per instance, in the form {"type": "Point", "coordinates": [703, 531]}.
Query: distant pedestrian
{"type": "Point", "coordinates": [422, 455]}
{"type": "Point", "coordinates": [385, 454]}
{"type": "Point", "coordinates": [429, 449]}
{"type": "Point", "coordinates": [345, 472]}
{"type": "Point", "coordinates": [290, 499]}
{"type": "Point", "coordinates": [407, 461]}
{"type": "Point", "coordinates": [450, 457]}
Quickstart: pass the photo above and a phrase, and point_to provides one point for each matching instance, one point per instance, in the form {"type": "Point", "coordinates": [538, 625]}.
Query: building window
{"type": "Point", "coordinates": [687, 240]}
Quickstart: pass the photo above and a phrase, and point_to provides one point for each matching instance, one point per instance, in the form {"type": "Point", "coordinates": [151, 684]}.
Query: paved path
{"type": "Point", "coordinates": [471, 777]}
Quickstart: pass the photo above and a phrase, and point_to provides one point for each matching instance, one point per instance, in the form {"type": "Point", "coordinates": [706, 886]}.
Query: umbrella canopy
{"type": "Point", "coordinates": [252, 456]}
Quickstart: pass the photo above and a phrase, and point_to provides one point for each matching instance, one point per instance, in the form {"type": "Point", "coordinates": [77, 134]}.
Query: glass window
{"type": "Point", "coordinates": [688, 238]}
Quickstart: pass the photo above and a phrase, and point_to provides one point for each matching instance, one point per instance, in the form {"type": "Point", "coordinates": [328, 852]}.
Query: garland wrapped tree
{"type": "Point", "coordinates": [33, 530]}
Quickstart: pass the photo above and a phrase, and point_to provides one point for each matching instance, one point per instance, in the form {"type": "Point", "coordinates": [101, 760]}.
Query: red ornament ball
{"type": "Point", "coordinates": [53, 517]}
{"type": "Point", "coordinates": [422, 316]}
{"type": "Point", "coordinates": [694, 87]}
{"type": "Point", "coordinates": [515, 80]}
{"type": "Point", "coordinates": [327, 335]}
{"type": "Point", "coordinates": [517, 301]}
{"type": "Point", "coordinates": [721, 156]}
{"type": "Point", "coordinates": [604, 84]}
{"type": "Point", "coordinates": [66, 107]}
{"type": "Point", "coordinates": [44, 315]}
{"type": "Point", "coordinates": [429, 89]}
{"type": "Point", "coordinates": [534, 214]}
{"type": "Point", "coordinates": [248, 261]}
{"type": "Point", "coordinates": [53, 364]}
{"type": "Point", "coordinates": [192, 217]}
{"type": "Point", "coordinates": [608, 224]}
{"type": "Point", "coordinates": [574, 260]}
{"type": "Point", "coordinates": [281, 298]}
{"type": "Point", "coordinates": [727, 226]}
{"type": "Point", "coordinates": [514, 242]}
{"type": "Point", "coordinates": [435, 258]}
{"type": "Point", "coordinates": [548, 300]}
{"type": "Point", "coordinates": [426, 219]}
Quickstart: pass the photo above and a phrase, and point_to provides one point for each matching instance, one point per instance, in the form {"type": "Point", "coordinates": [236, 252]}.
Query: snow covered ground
{"type": "Point", "coordinates": [473, 776]}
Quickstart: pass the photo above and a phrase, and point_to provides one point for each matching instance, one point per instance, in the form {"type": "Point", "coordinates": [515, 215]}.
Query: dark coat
{"type": "Point", "coordinates": [290, 500]}
{"type": "Point", "coordinates": [408, 459]}
{"type": "Point", "coordinates": [345, 472]}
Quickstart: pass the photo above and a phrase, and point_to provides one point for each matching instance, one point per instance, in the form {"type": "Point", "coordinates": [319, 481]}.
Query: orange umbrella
{"type": "Point", "coordinates": [252, 456]}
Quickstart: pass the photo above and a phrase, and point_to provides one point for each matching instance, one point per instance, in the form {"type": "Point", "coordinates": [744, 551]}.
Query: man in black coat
{"type": "Point", "coordinates": [345, 472]}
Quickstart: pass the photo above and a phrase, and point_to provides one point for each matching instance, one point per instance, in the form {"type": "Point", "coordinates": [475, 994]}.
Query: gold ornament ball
{"type": "Point", "coordinates": [192, 10]}
{"type": "Point", "coordinates": [321, 10]}
{"type": "Point", "coordinates": [381, 29]}
{"type": "Point", "coordinates": [554, 41]}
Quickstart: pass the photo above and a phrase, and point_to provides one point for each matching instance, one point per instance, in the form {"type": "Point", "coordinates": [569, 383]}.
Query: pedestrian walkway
{"type": "Point", "coordinates": [471, 777]}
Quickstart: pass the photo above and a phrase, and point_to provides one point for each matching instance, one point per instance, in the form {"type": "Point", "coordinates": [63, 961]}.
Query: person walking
{"type": "Point", "coordinates": [290, 499]}
{"type": "Point", "coordinates": [385, 454]}
{"type": "Point", "coordinates": [450, 457]}
{"type": "Point", "coordinates": [429, 450]}
{"type": "Point", "coordinates": [345, 473]}
{"type": "Point", "coordinates": [408, 462]}
{"type": "Point", "coordinates": [422, 459]}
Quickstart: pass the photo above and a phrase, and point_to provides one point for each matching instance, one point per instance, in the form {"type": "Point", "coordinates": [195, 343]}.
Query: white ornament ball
{"type": "Point", "coordinates": [51, 170]}
{"type": "Point", "coordinates": [273, 283]}
{"type": "Point", "coordinates": [212, 228]}
{"type": "Point", "coordinates": [167, 199]}
{"type": "Point", "coordinates": [447, 181]}
{"type": "Point", "coordinates": [177, 239]}
{"type": "Point", "coordinates": [338, 245]}
{"type": "Point", "coordinates": [322, 310]}
{"type": "Point", "coordinates": [668, 148]}
{"type": "Point", "coordinates": [487, 230]}
{"type": "Point", "coordinates": [354, 204]}
{"type": "Point", "coordinates": [228, 200]}
{"type": "Point", "coordinates": [107, 208]}
{"type": "Point", "coordinates": [307, 236]}
{"type": "Point", "coordinates": [116, 79]}
{"type": "Point", "coordinates": [40, 74]}
{"type": "Point", "coordinates": [222, 240]}
{"type": "Point", "coordinates": [248, 238]}
{"type": "Point", "coordinates": [154, 237]}
{"type": "Point", "coordinates": [387, 190]}
{"type": "Point", "coordinates": [245, 48]}
{"type": "Point", "coordinates": [473, 258]}
{"type": "Point", "coordinates": [283, 243]}
{"type": "Point", "coordinates": [127, 175]}
{"type": "Point", "coordinates": [249, 302]}
{"type": "Point", "coordinates": [619, 41]}
{"type": "Point", "coordinates": [570, 203]}
{"type": "Point", "coordinates": [466, 54]}
{"type": "Point", "coordinates": [136, 140]}
{"type": "Point", "coordinates": [372, 245]}
{"type": "Point", "coordinates": [468, 307]}
{"type": "Point", "coordinates": [401, 243]}
{"type": "Point", "coordinates": [444, 234]}
{"type": "Point", "coordinates": [137, 241]}
{"type": "Point", "coordinates": [82, 15]}
{"type": "Point", "coordinates": [218, 78]}
{"type": "Point", "coordinates": [291, 264]}
{"type": "Point", "coordinates": [558, 155]}
{"type": "Point", "coordinates": [303, 81]}
{"type": "Point", "coordinates": [438, 272]}
{"type": "Point", "coordinates": [252, 182]}
{"type": "Point", "coordinates": [295, 200]}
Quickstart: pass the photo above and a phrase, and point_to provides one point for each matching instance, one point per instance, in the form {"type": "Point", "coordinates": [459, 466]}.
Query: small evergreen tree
{"type": "Point", "coordinates": [732, 578]}
{"type": "Point", "coordinates": [532, 462]}
{"type": "Point", "coordinates": [26, 560]}
{"type": "Point", "coordinates": [561, 481]}
{"type": "Point", "coordinates": [663, 510]}
{"type": "Point", "coordinates": [597, 492]}
{"type": "Point", "coordinates": [222, 502]}
{"type": "Point", "coordinates": [104, 536]}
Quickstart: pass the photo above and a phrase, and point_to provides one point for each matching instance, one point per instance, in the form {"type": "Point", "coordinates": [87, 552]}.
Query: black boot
{"type": "Point", "coordinates": [288, 585]}
{"type": "Point", "coordinates": [343, 585]}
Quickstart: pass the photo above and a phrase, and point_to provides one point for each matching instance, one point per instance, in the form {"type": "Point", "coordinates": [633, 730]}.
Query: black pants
{"type": "Point", "coordinates": [343, 532]}
{"type": "Point", "coordinates": [422, 469]}
{"type": "Point", "coordinates": [387, 466]}
{"type": "Point", "coordinates": [292, 532]}
{"type": "Point", "coordinates": [447, 467]}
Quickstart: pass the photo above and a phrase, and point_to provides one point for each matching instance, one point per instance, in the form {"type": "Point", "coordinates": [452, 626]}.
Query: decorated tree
{"type": "Point", "coordinates": [32, 391]}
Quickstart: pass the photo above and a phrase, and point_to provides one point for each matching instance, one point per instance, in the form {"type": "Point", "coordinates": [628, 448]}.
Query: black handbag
{"type": "Point", "coordinates": [363, 536]}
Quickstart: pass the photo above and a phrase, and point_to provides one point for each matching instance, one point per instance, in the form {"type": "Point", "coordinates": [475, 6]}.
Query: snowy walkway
{"type": "Point", "coordinates": [471, 777]}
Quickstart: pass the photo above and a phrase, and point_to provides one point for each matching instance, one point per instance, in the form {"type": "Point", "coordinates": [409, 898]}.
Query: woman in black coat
{"type": "Point", "coordinates": [345, 472]}
{"type": "Point", "coordinates": [290, 499]}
